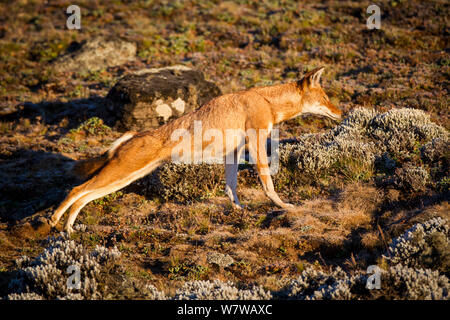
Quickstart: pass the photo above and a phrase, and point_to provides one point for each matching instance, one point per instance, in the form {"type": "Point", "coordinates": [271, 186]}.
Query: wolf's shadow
{"type": "Point", "coordinates": [74, 112]}
{"type": "Point", "coordinates": [32, 181]}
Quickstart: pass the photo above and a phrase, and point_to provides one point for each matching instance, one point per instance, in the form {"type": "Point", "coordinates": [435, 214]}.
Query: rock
{"type": "Point", "coordinates": [96, 54]}
{"type": "Point", "coordinates": [151, 97]}
{"type": "Point", "coordinates": [34, 227]}
{"type": "Point", "coordinates": [219, 259]}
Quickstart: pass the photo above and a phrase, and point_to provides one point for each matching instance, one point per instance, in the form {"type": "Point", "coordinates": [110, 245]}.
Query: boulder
{"type": "Point", "coordinates": [95, 54]}
{"type": "Point", "coordinates": [149, 98]}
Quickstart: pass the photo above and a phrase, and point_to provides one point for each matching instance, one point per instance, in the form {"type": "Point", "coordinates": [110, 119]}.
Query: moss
{"type": "Point", "coordinates": [93, 126]}
{"type": "Point", "coordinates": [185, 271]}
{"type": "Point", "coordinates": [48, 50]}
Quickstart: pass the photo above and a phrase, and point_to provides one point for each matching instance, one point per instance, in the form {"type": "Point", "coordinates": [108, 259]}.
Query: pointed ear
{"type": "Point", "coordinates": [312, 78]}
{"type": "Point", "coordinates": [317, 73]}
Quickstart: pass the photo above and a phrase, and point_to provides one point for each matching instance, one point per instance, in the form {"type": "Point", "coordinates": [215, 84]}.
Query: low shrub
{"type": "Point", "coordinates": [418, 269]}
{"type": "Point", "coordinates": [46, 276]}
{"type": "Point", "coordinates": [424, 245]}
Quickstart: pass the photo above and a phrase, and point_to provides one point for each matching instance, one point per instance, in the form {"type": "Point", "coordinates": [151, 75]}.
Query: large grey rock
{"type": "Point", "coordinates": [96, 54]}
{"type": "Point", "coordinates": [149, 98]}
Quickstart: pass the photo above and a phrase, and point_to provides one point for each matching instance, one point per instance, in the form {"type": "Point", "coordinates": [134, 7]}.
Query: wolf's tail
{"type": "Point", "coordinates": [85, 169]}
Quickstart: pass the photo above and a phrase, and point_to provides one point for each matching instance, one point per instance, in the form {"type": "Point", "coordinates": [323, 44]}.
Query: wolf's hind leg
{"type": "Point", "coordinates": [74, 195]}
{"type": "Point", "coordinates": [107, 181]}
{"type": "Point", "coordinates": [80, 203]}
{"type": "Point", "coordinates": [231, 171]}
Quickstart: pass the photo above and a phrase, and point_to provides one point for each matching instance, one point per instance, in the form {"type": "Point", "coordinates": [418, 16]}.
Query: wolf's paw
{"type": "Point", "coordinates": [288, 206]}
{"type": "Point", "coordinates": [52, 222]}
{"type": "Point", "coordinates": [68, 230]}
{"type": "Point", "coordinates": [238, 206]}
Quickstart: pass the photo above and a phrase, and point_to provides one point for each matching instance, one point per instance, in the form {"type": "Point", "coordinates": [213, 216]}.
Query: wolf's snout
{"type": "Point", "coordinates": [336, 113]}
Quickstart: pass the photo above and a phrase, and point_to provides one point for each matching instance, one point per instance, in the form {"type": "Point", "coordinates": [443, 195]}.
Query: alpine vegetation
{"type": "Point", "coordinates": [48, 276]}
{"type": "Point", "coordinates": [423, 245]}
{"type": "Point", "coordinates": [396, 146]}
{"type": "Point", "coordinates": [418, 269]}
{"type": "Point", "coordinates": [402, 282]}
{"type": "Point", "coordinates": [121, 135]}
{"type": "Point", "coordinates": [318, 285]}
{"type": "Point", "coordinates": [182, 182]}
{"type": "Point", "coordinates": [218, 290]}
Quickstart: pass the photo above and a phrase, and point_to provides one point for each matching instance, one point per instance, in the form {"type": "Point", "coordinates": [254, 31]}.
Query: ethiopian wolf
{"type": "Point", "coordinates": [253, 111]}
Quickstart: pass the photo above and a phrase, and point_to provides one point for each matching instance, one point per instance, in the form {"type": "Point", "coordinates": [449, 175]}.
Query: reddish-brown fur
{"type": "Point", "coordinates": [257, 108]}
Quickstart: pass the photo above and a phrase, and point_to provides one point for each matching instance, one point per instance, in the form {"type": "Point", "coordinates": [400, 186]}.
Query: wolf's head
{"type": "Point", "coordinates": [313, 99]}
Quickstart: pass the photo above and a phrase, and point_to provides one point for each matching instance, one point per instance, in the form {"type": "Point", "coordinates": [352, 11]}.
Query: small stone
{"type": "Point", "coordinates": [219, 259]}
{"type": "Point", "coordinates": [96, 54]}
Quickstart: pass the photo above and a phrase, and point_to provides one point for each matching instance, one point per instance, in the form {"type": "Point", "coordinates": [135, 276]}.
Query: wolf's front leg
{"type": "Point", "coordinates": [258, 152]}
{"type": "Point", "coordinates": [267, 183]}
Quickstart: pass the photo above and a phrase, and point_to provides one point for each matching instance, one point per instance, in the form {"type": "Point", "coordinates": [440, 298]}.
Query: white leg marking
{"type": "Point", "coordinates": [118, 142]}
